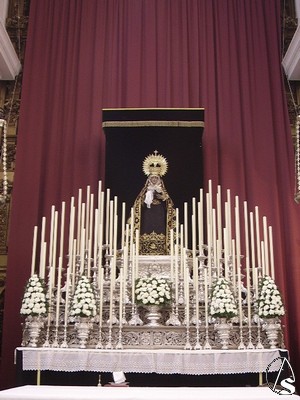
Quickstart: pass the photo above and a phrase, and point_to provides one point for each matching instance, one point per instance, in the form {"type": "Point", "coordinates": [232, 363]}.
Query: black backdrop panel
{"type": "Point", "coordinates": [133, 134]}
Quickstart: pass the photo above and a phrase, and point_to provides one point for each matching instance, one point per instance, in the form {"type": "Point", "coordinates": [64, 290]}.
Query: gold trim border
{"type": "Point", "coordinates": [174, 124]}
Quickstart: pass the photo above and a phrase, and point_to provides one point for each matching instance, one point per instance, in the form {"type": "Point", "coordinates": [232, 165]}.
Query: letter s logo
{"type": "Point", "coordinates": [286, 384]}
{"type": "Point", "coordinates": [285, 371]}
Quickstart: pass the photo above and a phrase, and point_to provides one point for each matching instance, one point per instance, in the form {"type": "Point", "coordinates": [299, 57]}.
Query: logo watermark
{"type": "Point", "coordinates": [280, 376]}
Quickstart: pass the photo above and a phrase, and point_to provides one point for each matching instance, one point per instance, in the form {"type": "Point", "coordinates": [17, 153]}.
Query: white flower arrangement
{"type": "Point", "coordinates": [34, 301]}
{"type": "Point", "coordinates": [223, 304]}
{"type": "Point", "coordinates": [153, 291]}
{"type": "Point", "coordinates": [269, 300]}
{"type": "Point", "coordinates": [84, 301]}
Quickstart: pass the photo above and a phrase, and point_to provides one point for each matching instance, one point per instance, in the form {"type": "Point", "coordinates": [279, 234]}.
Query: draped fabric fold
{"type": "Point", "coordinates": [82, 56]}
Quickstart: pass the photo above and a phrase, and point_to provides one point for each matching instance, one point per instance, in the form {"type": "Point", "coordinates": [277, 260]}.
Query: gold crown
{"type": "Point", "coordinates": [155, 164]}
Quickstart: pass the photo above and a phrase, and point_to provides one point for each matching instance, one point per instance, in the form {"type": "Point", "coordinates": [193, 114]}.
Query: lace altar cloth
{"type": "Point", "coordinates": [191, 362]}
{"type": "Point", "coordinates": [44, 392]}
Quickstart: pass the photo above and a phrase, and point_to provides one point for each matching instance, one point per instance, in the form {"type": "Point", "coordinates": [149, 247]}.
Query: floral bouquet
{"type": "Point", "coordinates": [34, 301]}
{"type": "Point", "coordinates": [84, 301]}
{"type": "Point", "coordinates": [269, 302]}
{"type": "Point", "coordinates": [222, 303]}
{"type": "Point", "coordinates": [153, 291]}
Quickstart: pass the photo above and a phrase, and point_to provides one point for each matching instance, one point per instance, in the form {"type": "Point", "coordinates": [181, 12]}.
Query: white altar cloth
{"type": "Point", "coordinates": [192, 362]}
{"type": "Point", "coordinates": [137, 393]}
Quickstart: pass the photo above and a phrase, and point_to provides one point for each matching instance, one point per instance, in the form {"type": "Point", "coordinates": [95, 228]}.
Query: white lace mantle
{"type": "Point", "coordinates": [192, 362]}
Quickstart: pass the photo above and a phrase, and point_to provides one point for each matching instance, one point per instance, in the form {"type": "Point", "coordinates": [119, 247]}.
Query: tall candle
{"type": "Point", "coordinates": [99, 195]}
{"type": "Point", "coordinates": [252, 244]}
{"type": "Point", "coordinates": [209, 236]}
{"type": "Point", "coordinates": [90, 234]}
{"type": "Point", "coordinates": [111, 225]}
{"type": "Point", "coordinates": [266, 242]}
{"type": "Point", "coordinates": [247, 241]}
{"type": "Point", "coordinates": [91, 219]}
{"type": "Point", "coordinates": [115, 236]}
{"type": "Point", "coordinates": [41, 245]}
{"type": "Point", "coordinates": [219, 214]}
{"type": "Point", "coordinates": [123, 224]}
{"type": "Point", "coordinates": [62, 229]}
{"type": "Point", "coordinates": [33, 257]}
{"type": "Point", "coordinates": [200, 222]}
{"type": "Point", "coordinates": [101, 209]}
{"type": "Point", "coordinates": [101, 216]}
{"type": "Point", "coordinates": [71, 232]}
{"type": "Point", "coordinates": [228, 222]}
{"type": "Point", "coordinates": [83, 230]}
{"type": "Point", "coordinates": [194, 206]}
{"type": "Point", "coordinates": [55, 240]}
{"type": "Point", "coordinates": [51, 236]}
{"type": "Point", "coordinates": [79, 219]}
{"type": "Point", "coordinates": [186, 225]}
{"type": "Point", "coordinates": [257, 237]}
{"type": "Point", "coordinates": [195, 269]}
{"type": "Point", "coordinates": [271, 253]}
{"type": "Point", "coordinates": [210, 194]}
{"type": "Point", "coordinates": [43, 260]}
{"type": "Point", "coordinates": [107, 219]}
{"type": "Point", "coordinates": [238, 250]}
{"type": "Point", "coordinates": [87, 210]}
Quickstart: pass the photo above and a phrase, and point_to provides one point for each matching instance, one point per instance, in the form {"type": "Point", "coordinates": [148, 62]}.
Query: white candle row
{"type": "Point", "coordinates": [91, 226]}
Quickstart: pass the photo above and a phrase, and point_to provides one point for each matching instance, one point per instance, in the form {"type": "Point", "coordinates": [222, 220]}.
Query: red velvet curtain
{"type": "Point", "coordinates": [83, 56]}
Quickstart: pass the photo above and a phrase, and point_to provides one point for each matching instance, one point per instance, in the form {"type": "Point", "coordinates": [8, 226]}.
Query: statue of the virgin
{"type": "Point", "coordinates": [153, 210]}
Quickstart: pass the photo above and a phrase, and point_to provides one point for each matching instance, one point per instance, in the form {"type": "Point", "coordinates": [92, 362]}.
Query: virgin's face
{"type": "Point", "coordinates": [154, 179]}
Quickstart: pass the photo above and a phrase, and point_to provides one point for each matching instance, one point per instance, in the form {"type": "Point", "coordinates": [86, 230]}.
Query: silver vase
{"type": "Point", "coordinates": [223, 328]}
{"type": "Point", "coordinates": [83, 327]}
{"type": "Point", "coordinates": [271, 326]}
{"type": "Point", "coordinates": [153, 315]}
{"type": "Point", "coordinates": [34, 325]}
